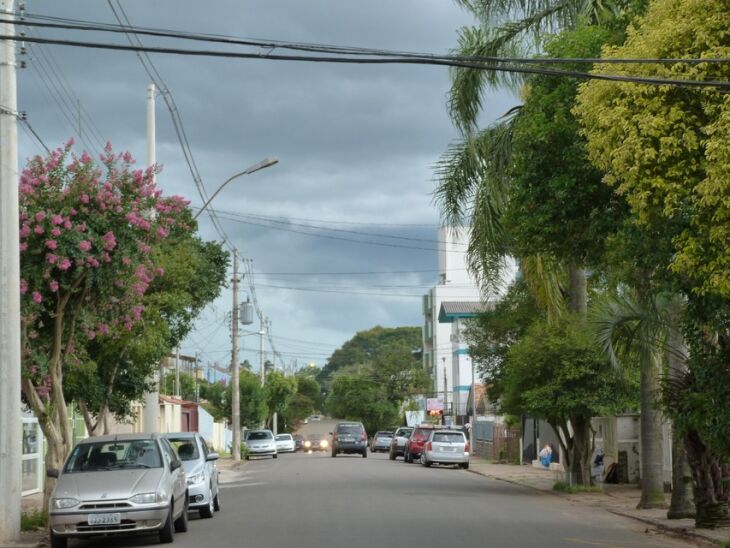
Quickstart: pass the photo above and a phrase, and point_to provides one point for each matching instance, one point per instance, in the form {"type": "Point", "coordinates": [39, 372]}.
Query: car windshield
{"type": "Point", "coordinates": [186, 448]}
{"type": "Point", "coordinates": [116, 455]}
{"type": "Point", "coordinates": [283, 437]}
{"type": "Point", "coordinates": [449, 437]}
{"type": "Point", "coordinates": [404, 432]}
{"type": "Point", "coordinates": [260, 436]}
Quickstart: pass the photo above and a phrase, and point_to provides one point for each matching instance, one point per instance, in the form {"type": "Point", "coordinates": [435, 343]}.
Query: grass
{"type": "Point", "coordinates": [30, 521]}
{"type": "Point", "coordinates": [563, 487]}
{"type": "Point", "coordinates": [726, 544]}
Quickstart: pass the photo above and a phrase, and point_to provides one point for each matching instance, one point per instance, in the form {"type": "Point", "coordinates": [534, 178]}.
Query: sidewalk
{"type": "Point", "coordinates": [617, 499]}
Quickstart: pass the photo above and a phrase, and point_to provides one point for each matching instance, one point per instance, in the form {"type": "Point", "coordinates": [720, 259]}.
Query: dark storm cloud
{"type": "Point", "coordinates": [355, 143]}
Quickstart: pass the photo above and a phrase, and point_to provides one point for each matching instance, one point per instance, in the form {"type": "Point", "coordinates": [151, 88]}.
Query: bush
{"type": "Point", "coordinates": [30, 521]}
{"type": "Point", "coordinates": [244, 450]}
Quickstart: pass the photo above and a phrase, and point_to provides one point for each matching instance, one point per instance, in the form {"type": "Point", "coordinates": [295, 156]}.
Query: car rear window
{"type": "Point", "coordinates": [404, 432]}
{"type": "Point", "coordinates": [421, 433]}
{"type": "Point", "coordinates": [352, 429]}
{"type": "Point", "coordinates": [284, 437]}
{"type": "Point", "coordinates": [384, 434]}
{"type": "Point", "coordinates": [449, 437]}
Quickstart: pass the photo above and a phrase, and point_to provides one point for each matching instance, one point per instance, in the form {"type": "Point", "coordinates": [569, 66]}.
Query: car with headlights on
{"type": "Point", "coordinates": [446, 447]}
{"type": "Point", "coordinates": [285, 443]}
{"type": "Point", "coordinates": [201, 471]}
{"type": "Point", "coordinates": [261, 443]}
{"type": "Point", "coordinates": [398, 442]}
{"type": "Point", "coordinates": [349, 437]}
{"type": "Point", "coordinates": [119, 484]}
{"type": "Point", "coordinates": [316, 442]}
{"type": "Point", "coordinates": [381, 441]}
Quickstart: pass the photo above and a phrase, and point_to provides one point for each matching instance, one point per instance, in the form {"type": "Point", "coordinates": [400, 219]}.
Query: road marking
{"type": "Point", "coordinates": [594, 542]}
{"type": "Point", "coordinates": [241, 484]}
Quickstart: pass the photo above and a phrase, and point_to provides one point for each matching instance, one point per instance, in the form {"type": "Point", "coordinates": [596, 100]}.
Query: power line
{"type": "Point", "coordinates": [525, 69]}
{"type": "Point", "coordinates": [357, 272]}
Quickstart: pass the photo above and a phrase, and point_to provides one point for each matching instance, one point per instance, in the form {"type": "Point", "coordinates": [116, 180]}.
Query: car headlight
{"type": "Point", "coordinates": [60, 504]}
{"type": "Point", "coordinates": [307, 443]}
{"type": "Point", "coordinates": [323, 443]}
{"type": "Point", "coordinates": [196, 478]}
{"type": "Point", "coordinates": [146, 498]}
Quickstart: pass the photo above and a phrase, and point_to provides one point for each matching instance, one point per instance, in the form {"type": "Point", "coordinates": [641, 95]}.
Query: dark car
{"type": "Point", "coordinates": [298, 442]}
{"type": "Point", "coordinates": [414, 444]}
{"type": "Point", "coordinates": [316, 442]}
{"type": "Point", "coordinates": [400, 437]}
{"type": "Point", "coordinates": [349, 437]}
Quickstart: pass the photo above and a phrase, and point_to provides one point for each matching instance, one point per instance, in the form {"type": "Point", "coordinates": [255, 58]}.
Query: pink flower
{"type": "Point", "coordinates": [103, 329]}
{"type": "Point", "coordinates": [22, 247]}
{"type": "Point", "coordinates": [25, 231]}
{"type": "Point", "coordinates": [162, 232]}
{"type": "Point", "coordinates": [65, 264]}
{"type": "Point", "coordinates": [93, 262]}
{"type": "Point", "coordinates": [84, 198]}
{"type": "Point", "coordinates": [81, 227]}
{"type": "Point", "coordinates": [91, 334]}
{"type": "Point", "coordinates": [56, 231]}
{"type": "Point", "coordinates": [37, 297]}
{"type": "Point", "coordinates": [53, 285]}
{"type": "Point", "coordinates": [40, 216]}
{"type": "Point", "coordinates": [84, 245]}
{"type": "Point", "coordinates": [67, 224]}
{"type": "Point", "coordinates": [72, 212]}
{"type": "Point", "coordinates": [51, 258]}
{"type": "Point", "coordinates": [126, 261]}
{"type": "Point", "coordinates": [110, 242]}
{"type": "Point", "coordinates": [23, 286]}
{"type": "Point", "coordinates": [51, 244]}
{"type": "Point", "coordinates": [85, 158]}
{"type": "Point", "coordinates": [57, 219]}
{"type": "Point", "coordinates": [38, 229]}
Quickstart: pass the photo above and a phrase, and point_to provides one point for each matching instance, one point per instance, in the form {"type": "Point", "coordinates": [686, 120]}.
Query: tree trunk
{"type": "Point", "coordinates": [712, 485]}
{"type": "Point", "coordinates": [652, 476]}
{"type": "Point", "coordinates": [681, 505]}
{"type": "Point", "coordinates": [578, 290]}
{"type": "Point", "coordinates": [582, 449]}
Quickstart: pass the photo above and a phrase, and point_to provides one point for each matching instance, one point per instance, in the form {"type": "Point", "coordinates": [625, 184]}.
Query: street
{"type": "Point", "coordinates": [313, 500]}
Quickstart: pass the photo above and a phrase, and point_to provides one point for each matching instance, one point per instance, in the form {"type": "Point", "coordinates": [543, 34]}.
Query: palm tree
{"type": "Point", "coordinates": [645, 331]}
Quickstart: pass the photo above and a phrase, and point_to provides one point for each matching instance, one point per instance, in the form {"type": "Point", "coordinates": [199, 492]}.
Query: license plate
{"type": "Point", "coordinates": [448, 449]}
{"type": "Point", "coordinates": [348, 439]}
{"type": "Point", "coordinates": [104, 519]}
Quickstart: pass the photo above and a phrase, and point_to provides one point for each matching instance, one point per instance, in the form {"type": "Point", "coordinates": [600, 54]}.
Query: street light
{"type": "Point", "coordinates": [263, 164]}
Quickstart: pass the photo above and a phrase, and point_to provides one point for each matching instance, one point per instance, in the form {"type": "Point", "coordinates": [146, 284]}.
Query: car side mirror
{"type": "Point", "coordinates": [331, 434]}
{"type": "Point", "coordinates": [51, 472]}
{"type": "Point", "coordinates": [211, 457]}
{"type": "Point", "coordinates": [175, 464]}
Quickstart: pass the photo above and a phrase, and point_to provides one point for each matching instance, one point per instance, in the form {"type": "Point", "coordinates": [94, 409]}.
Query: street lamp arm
{"type": "Point", "coordinates": [267, 162]}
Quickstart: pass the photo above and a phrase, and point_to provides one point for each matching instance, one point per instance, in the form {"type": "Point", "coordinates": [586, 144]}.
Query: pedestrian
{"type": "Point", "coordinates": [546, 455]}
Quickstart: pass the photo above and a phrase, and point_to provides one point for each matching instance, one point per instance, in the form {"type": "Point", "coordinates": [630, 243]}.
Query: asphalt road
{"type": "Point", "coordinates": [314, 501]}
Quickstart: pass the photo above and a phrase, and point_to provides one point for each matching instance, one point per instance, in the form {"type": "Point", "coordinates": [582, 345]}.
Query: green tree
{"type": "Point", "coordinates": [253, 400]}
{"type": "Point", "coordinates": [557, 372]}
{"type": "Point", "coordinates": [279, 391]}
{"type": "Point", "coordinates": [358, 397]}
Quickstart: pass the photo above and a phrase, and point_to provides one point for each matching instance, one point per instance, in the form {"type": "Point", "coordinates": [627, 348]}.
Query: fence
{"type": "Point", "coordinates": [496, 442]}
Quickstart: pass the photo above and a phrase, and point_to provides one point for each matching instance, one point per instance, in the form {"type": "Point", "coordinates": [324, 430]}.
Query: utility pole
{"type": "Point", "coordinates": [177, 372]}
{"type": "Point", "coordinates": [235, 395]}
{"type": "Point", "coordinates": [473, 407]}
{"type": "Point", "coordinates": [152, 398]}
{"type": "Point", "coordinates": [446, 393]}
{"type": "Point", "coordinates": [11, 447]}
{"type": "Point", "coordinates": [261, 352]}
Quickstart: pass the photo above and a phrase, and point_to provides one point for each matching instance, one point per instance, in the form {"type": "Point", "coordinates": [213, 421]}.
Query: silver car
{"type": "Point", "coordinates": [398, 442]}
{"type": "Point", "coordinates": [201, 471]}
{"type": "Point", "coordinates": [261, 443]}
{"type": "Point", "coordinates": [126, 483]}
{"type": "Point", "coordinates": [446, 447]}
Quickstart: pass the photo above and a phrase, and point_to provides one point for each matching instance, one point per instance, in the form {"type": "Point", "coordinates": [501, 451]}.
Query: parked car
{"type": "Point", "coordinates": [260, 443]}
{"type": "Point", "coordinates": [285, 443]}
{"type": "Point", "coordinates": [398, 442]}
{"type": "Point", "coordinates": [446, 447]}
{"type": "Point", "coordinates": [415, 442]}
{"type": "Point", "coordinates": [316, 442]}
{"type": "Point", "coordinates": [381, 441]}
{"type": "Point", "coordinates": [298, 442]}
{"type": "Point", "coordinates": [349, 437]}
{"type": "Point", "coordinates": [120, 484]}
{"type": "Point", "coordinates": [201, 471]}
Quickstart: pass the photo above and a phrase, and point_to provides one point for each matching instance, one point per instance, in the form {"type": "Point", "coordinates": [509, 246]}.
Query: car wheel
{"type": "Point", "coordinates": [167, 533]}
{"type": "Point", "coordinates": [391, 455]}
{"type": "Point", "coordinates": [207, 511]}
{"type": "Point", "coordinates": [217, 501]}
{"type": "Point", "coordinates": [407, 457]}
{"type": "Point", "coordinates": [275, 456]}
{"type": "Point", "coordinates": [465, 466]}
{"type": "Point", "coordinates": [246, 457]}
{"type": "Point", "coordinates": [365, 454]}
{"type": "Point", "coordinates": [181, 523]}
{"type": "Point", "coordinates": [58, 542]}
{"type": "Point", "coordinates": [424, 461]}
{"type": "Point", "coordinates": [334, 454]}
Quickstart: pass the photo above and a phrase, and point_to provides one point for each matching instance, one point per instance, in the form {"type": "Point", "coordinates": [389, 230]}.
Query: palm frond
{"type": "Point", "coordinates": [544, 276]}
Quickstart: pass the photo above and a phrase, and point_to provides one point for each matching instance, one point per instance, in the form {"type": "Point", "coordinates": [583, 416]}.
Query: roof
{"type": "Point", "coordinates": [450, 310]}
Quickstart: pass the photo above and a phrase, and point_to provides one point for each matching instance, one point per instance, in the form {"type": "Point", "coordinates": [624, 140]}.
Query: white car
{"type": "Point", "coordinates": [285, 443]}
{"type": "Point", "coordinates": [261, 443]}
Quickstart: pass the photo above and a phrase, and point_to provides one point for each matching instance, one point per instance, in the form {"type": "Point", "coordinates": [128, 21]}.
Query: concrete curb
{"type": "Point", "coordinates": [677, 532]}
{"type": "Point", "coordinates": [674, 531]}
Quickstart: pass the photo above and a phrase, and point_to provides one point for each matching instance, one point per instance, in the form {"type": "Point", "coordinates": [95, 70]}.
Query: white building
{"type": "Point", "coordinates": [455, 284]}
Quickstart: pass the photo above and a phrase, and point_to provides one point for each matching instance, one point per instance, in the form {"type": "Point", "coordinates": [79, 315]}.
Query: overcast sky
{"type": "Point", "coordinates": [356, 148]}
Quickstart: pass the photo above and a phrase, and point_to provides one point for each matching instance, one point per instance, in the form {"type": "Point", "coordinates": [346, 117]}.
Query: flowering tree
{"type": "Point", "coordinates": [87, 234]}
